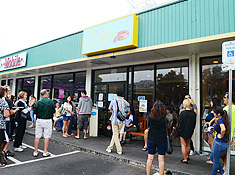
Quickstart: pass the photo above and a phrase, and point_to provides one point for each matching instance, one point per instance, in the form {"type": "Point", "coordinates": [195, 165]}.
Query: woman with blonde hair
{"type": "Point", "coordinates": [187, 123]}
{"type": "Point", "coordinates": [21, 118]}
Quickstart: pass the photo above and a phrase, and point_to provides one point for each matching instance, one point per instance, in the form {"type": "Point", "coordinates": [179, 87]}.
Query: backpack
{"type": "Point", "coordinates": [120, 116]}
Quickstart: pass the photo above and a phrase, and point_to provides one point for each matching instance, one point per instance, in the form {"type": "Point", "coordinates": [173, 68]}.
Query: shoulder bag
{"type": "Point", "coordinates": [120, 116]}
{"type": "Point", "coordinates": [169, 147]}
{"type": "Point", "coordinates": [62, 110]}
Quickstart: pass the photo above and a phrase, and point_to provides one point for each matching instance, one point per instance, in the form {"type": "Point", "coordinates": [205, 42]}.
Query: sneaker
{"type": "Point", "coordinates": [108, 150]}
{"type": "Point", "coordinates": [119, 153]}
{"type": "Point", "coordinates": [18, 149]}
{"type": "Point", "coordinates": [35, 154]}
{"type": "Point", "coordinates": [23, 146]}
{"type": "Point", "coordinates": [191, 153]}
{"type": "Point", "coordinates": [46, 154]}
{"type": "Point", "coordinates": [123, 142]}
{"type": "Point", "coordinates": [10, 153]}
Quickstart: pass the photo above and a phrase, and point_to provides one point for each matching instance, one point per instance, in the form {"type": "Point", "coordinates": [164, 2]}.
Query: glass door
{"type": "Point", "coordinates": [103, 95]}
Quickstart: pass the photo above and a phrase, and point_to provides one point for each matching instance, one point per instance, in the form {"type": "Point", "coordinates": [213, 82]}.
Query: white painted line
{"type": "Point", "coordinates": [14, 160]}
{"type": "Point", "coordinates": [39, 150]}
{"type": "Point", "coordinates": [44, 158]}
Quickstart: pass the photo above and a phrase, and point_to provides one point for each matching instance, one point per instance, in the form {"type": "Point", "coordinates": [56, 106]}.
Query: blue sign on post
{"type": "Point", "coordinates": [230, 53]}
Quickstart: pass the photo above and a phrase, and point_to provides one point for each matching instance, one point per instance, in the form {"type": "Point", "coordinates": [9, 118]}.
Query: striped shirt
{"type": "Point", "coordinates": [124, 107]}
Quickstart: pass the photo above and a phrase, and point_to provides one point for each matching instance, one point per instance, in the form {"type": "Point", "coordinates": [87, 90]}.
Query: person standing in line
{"type": "Point", "coordinates": [57, 115]}
{"type": "Point", "coordinates": [222, 127]}
{"type": "Point", "coordinates": [194, 108]}
{"type": "Point", "coordinates": [124, 108]}
{"type": "Point", "coordinates": [8, 120]}
{"type": "Point", "coordinates": [21, 119]}
{"type": "Point", "coordinates": [157, 124]}
{"type": "Point", "coordinates": [73, 119]}
{"type": "Point", "coordinates": [84, 112]}
{"type": "Point", "coordinates": [44, 110]}
{"type": "Point", "coordinates": [67, 119]}
{"type": "Point", "coordinates": [32, 102]}
{"type": "Point", "coordinates": [12, 118]}
{"type": "Point", "coordinates": [187, 123]}
{"type": "Point", "coordinates": [4, 113]}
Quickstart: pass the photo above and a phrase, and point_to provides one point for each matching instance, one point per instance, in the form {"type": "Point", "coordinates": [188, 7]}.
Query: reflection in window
{"type": "Point", "coordinates": [110, 75]}
{"type": "Point", "coordinates": [62, 87]}
{"type": "Point", "coordinates": [45, 84]}
{"type": "Point", "coordinates": [172, 84]}
{"type": "Point", "coordinates": [28, 85]}
{"type": "Point", "coordinates": [143, 86]}
{"type": "Point", "coordinates": [10, 83]}
{"type": "Point", "coordinates": [215, 83]}
{"type": "Point", "coordinates": [79, 84]}
{"type": "Point", "coordinates": [19, 86]}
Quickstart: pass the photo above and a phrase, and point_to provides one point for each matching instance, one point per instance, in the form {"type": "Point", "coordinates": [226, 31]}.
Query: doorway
{"type": "Point", "coordinates": [104, 93]}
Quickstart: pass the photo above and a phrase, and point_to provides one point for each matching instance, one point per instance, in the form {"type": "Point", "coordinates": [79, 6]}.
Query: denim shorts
{"type": "Point", "coordinates": [66, 118]}
{"type": "Point", "coordinates": [161, 148]}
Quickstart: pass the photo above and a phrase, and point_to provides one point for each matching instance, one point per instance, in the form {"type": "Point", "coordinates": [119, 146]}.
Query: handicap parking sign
{"type": "Point", "coordinates": [230, 53]}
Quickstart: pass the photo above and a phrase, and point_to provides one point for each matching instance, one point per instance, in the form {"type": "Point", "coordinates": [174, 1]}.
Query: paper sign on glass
{"type": "Point", "coordinates": [61, 93]}
{"type": "Point", "coordinates": [143, 106]}
{"type": "Point", "coordinates": [101, 96]}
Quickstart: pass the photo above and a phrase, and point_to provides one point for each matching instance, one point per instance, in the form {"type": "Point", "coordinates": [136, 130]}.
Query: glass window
{"type": "Point", "coordinates": [143, 86]}
{"type": "Point", "coordinates": [28, 85]}
{"type": "Point", "coordinates": [79, 84]}
{"type": "Point", "coordinates": [172, 84]}
{"type": "Point", "coordinates": [110, 75]}
{"type": "Point", "coordinates": [10, 83]}
{"type": "Point", "coordinates": [19, 86]}
{"type": "Point", "coordinates": [62, 87]}
{"type": "Point", "coordinates": [45, 83]}
{"type": "Point", "coordinates": [215, 83]}
{"type": "Point", "coordinates": [3, 82]}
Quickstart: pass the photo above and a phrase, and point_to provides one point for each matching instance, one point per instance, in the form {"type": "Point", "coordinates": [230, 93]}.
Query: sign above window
{"type": "Point", "coordinates": [13, 62]}
{"type": "Point", "coordinates": [115, 35]}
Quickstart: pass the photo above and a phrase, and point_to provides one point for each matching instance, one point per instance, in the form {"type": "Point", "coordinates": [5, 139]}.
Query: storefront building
{"type": "Point", "coordinates": [174, 49]}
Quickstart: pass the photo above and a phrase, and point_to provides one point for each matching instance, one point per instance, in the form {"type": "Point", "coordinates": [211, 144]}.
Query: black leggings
{"type": "Point", "coordinates": [20, 130]}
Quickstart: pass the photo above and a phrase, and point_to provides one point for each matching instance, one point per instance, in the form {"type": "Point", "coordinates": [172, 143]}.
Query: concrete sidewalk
{"type": "Point", "coordinates": [133, 154]}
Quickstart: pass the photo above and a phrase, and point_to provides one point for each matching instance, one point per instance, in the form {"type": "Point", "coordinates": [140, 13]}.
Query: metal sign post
{"type": "Point", "coordinates": [228, 59]}
{"type": "Point", "coordinates": [230, 116]}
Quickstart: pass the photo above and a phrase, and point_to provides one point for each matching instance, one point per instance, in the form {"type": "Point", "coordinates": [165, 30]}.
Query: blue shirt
{"type": "Point", "coordinates": [218, 130]}
{"type": "Point", "coordinates": [124, 107]}
{"type": "Point", "coordinates": [209, 117]}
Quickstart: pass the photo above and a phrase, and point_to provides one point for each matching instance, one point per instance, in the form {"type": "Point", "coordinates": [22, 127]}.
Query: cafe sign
{"type": "Point", "coordinates": [13, 62]}
{"type": "Point", "coordinates": [115, 35]}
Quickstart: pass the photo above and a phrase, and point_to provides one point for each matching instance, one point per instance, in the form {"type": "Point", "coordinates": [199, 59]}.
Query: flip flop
{"type": "Point", "coordinates": [85, 138]}
{"type": "Point", "coordinates": [65, 136]}
{"type": "Point", "coordinates": [183, 161]}
{"type": "Point", "coordinates": [76, 137]}
{"type": "Point", "coordinates": [144, 149]}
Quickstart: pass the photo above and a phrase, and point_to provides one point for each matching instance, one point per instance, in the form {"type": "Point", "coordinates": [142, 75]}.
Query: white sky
{"type": "Point", "coordinates": [26, 23]}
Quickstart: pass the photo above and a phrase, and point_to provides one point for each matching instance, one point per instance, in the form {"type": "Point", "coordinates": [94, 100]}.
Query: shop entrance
{"type": "Point", "coordinates": [104, 93]}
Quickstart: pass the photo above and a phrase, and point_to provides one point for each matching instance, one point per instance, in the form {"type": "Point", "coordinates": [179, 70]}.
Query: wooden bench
{"type": "Point", "coordinates": [143, 124]}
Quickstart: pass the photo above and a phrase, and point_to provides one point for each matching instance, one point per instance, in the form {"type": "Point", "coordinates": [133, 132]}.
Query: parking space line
{"type": "Point", "coordinates": [14, 160]}
{"type": "Point", "coordinates": [39, 150]}
{"type": "Point", "coordinates": [40, 159]}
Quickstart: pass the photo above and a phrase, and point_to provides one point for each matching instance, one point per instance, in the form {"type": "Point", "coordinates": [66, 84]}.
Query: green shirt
{"type": "Point", "coordinates": [44, 108]}
{"type": "Point", "coordinates": [226, 108]}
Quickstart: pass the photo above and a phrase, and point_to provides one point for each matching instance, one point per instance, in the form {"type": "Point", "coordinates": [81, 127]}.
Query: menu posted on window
{"type": "Point", "coordinates": [143, 106]}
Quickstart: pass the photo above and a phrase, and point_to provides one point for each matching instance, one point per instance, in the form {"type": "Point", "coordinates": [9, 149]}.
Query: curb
{"type": "Point", "coordinates": [111, 157]}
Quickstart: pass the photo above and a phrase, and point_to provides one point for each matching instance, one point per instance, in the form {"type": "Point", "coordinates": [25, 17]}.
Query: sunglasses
{"type": "Point", "coordinates": [225, 97]}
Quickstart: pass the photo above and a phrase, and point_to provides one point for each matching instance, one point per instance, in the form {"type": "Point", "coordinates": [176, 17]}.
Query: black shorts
{"type": "Point", "coordinates": [83, 121]}
{"type": "Point", "coordinates": [2, 136]}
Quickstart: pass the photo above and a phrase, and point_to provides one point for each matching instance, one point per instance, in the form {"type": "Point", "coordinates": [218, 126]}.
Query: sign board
{"type": "Point", "coordinates": [93, 126]}
{"type": "Point", "coordinates": [115, 35]}
{"type": "Point", "coordinates": [143, 106]}
{"type": "Point", "coordinates": [226, 67]}
{"type": "Point", "coordinates": [228, 52]}
{"type": "Point", "coordinates": [13, 62]}
{"type": "Point", "coordinates": [141, 98]}
{"type": "Point", "coordinates": [61, 93]}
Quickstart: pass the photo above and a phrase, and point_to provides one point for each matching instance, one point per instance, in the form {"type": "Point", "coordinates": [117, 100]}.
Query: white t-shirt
{"type": "Point", "coordinates": [66, 105]}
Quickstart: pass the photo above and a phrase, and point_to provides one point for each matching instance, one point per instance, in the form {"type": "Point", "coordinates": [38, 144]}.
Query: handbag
{"type": "Point", "coordinates": [175, 131]}
{"type": "Point", "coordinates": [120, 116]}
{"type": "Point", "coordinates": [62, 110]}
{"type": "Point", "coordinates": [169, 147]}
{"type": "Point", "coordinates": [26, 116]}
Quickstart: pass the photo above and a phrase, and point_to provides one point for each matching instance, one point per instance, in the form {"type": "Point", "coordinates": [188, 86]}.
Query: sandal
{"type": "Point", "coordinates": [183, 161]}
{"type": "Point", "coordinates": [144, 149]}
{"type": "Point", "coordinates": [85, 138]}
{"type": "Point", "coordinates": [65, 136]}
{"type": "Point", "coordinates": [76, 137]}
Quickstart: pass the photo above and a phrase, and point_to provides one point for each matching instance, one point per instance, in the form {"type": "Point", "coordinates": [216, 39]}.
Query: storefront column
{"type": "Point", "coordinates": [88, 81]}
{"type": "Point", "coordinates": [36, 86]}
{"type": "Point", "coordinates": [14, 87]}
{"type": "Point", "coordinates": [194, 87]}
